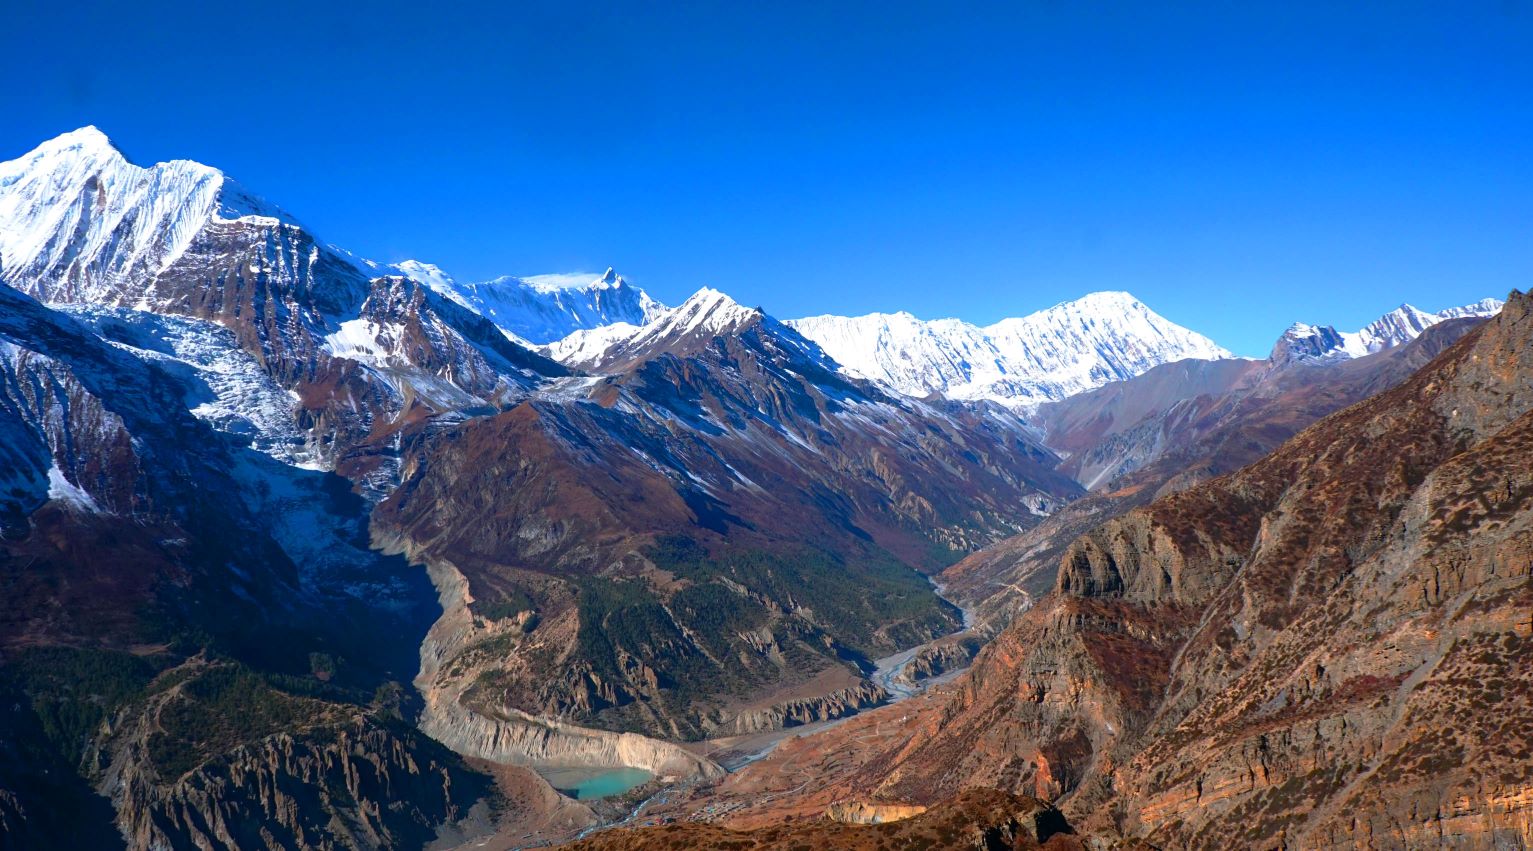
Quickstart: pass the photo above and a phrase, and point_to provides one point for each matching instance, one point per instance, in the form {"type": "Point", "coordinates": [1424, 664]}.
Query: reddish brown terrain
{"type": "Point", "coordinates": [980, 819]}
{"type": "Point", "coordinates": [1331, 648]}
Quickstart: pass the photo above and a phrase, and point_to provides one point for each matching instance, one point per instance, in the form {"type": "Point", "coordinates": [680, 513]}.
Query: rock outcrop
{"type": "Point", "coordinates": [356, 784]}
{"type": "Point", "coordinates": [808, 710]}
{"type": "Point", "coordinates": [941, 657]}
{"type": "Point", "coordinates": [521, 739]}
{"type": "Point", "coordinates": [868, 812]}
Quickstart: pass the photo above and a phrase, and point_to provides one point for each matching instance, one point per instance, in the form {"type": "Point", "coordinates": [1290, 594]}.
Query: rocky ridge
{"type": "Point", "coordinates": [810, 710]}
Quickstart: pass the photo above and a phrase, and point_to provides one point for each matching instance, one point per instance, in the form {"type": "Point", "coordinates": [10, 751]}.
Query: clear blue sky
{"type": "Point", "coordinates": [1237, 169]}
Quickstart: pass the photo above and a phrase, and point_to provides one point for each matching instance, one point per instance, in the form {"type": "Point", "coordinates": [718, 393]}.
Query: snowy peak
{"type": "Point", "coordinates": [539, 309]}
{"type": "Point", "coordinates": [80, 223]}
{"type": "Point", "coordinates": [1484, 307]}
{"type": "Point", "coordinates": [706, 314]}
{"type": "Point", "coordinates": [1309, 343]}
{"type": "Point", "coordinates": [1021, 361]}
{"type": "Point", "coordinates": [86, 139]}
{"type": "Point", "coordinates": [708, 311]}
{"type": "Point", "coordinates": [429, 274]}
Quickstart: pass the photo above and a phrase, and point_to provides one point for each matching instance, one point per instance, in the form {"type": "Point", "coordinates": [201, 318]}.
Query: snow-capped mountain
{"type": "Point", "coordinates": [79, 223]}
{"type": "Point", "coordinates": [1305, 342]}
{"type": "Point", "coordinates": [350, 347]}
{"type": "Point", "coordinates": [540, 309]}
{"type": "Point", "coordinates": [705, 315]}
{"type": "Point", "coordinates": [1020, 362]}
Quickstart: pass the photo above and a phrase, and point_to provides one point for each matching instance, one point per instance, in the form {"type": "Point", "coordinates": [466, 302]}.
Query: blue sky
{"type": "Point", "coordinates": [1236, 168]}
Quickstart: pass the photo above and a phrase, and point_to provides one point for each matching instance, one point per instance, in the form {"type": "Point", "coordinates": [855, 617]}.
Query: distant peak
{"type": "Point", "coordinates": [419, 266]}
{"type": "Point", "coordinates": [1106, 297]}
{"type": "Point", "coordinates": [429, 274]}
{"type": "Point", "coordinates": [711, 311]}
{"type": "Point", "coordinates": [570, 281]}
{"type": "Point", "coordinates": [90, 134]}
{"type": "Point", "coordinates": [88, 138]}
{"type": "Point", "coordinates": [711, 298]}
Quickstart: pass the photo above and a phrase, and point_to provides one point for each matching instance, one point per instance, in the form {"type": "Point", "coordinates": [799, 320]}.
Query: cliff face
{"type": "Point", "coordinates": [809, 710]}
{"type": "Point", "coordinates": [460, 646]}
{"type": "Point", "coordinates": [1329, 648]}
{"type": "Point", "coordinates": [352, 784]}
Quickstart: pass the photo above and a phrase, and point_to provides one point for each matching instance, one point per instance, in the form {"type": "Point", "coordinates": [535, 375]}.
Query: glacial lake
{"type": "Point", "coordinates": [584, 784]}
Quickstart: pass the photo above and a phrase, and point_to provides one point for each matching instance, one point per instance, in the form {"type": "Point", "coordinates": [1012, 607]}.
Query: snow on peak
{"type": "Point", "coordinates": [572, 281]}
{"type": "Point", "coordinates": [1483, 307]}
{"type": "Point", "coordinates": [706, 314]}
{"type": "Point", "coordinates": [429, 274]}
{"type": "Point", "coordinates": [80, 223]}
{"type": "Point", "coordinates": [710, 311]}
{"type": "Point", "coordinates": [1021, 361]}
{"type": "Point", "coordinates": [87, 138]}
{"type": "Point", "coordinates": [538, 309]}
{"type": "Point", "coordinates": [1403, 324]}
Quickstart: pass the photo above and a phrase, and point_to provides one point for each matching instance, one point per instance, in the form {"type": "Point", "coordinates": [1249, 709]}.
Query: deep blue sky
{"type": "Point", "coordinates": [1235, 168]}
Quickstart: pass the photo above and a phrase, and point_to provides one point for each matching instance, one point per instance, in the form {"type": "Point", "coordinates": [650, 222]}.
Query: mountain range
{"type": "Point", "coordinates": [1048, 355]}
{"type": "Point", "coordinates": [307, 550]}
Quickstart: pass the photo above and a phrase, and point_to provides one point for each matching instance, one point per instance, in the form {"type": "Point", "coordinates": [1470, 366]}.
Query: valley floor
{"type": "Point", "coordinates": [541, 821]}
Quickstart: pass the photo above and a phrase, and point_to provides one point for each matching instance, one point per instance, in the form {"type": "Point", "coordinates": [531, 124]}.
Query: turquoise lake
{"type": "Point", "coordinates": [584, 784]}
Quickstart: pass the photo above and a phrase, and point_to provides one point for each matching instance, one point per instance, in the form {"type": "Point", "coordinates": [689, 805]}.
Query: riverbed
{"type": "Point", "coordinates": [736, 752]}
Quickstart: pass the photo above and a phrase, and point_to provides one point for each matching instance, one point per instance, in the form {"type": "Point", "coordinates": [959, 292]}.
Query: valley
{"type": "Point", "coordinates": [305, 550]}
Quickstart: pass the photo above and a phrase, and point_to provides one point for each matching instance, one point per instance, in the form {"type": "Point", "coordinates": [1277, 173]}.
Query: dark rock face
{"type": "Point", "coordinates": [1306, 342]}
{"type": "Point", "coordinates": [1325, 649]}
{"type": "Point", "coordinates": [349, 783]}
{"type": "Point", "coordinates": [810, 710]}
